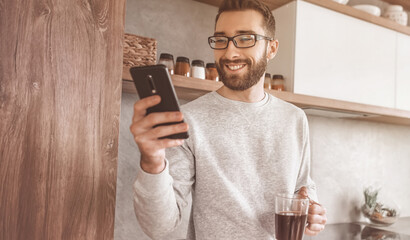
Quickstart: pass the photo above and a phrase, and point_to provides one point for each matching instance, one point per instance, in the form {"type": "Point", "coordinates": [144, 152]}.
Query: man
{"type": "Point", "coordinates": [245, 145]}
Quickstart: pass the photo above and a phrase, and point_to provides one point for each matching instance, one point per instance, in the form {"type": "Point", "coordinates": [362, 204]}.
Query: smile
{"type": "Point", "coordinates": [235, 67]}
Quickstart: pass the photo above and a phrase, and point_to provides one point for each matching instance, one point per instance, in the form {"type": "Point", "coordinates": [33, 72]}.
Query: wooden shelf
{"type": "Point", "coordinates": [192, 88]}
{"type": "Point", "coordinates": [345, 9]}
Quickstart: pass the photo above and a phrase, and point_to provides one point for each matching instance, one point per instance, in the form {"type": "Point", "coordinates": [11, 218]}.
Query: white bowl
{"type": "Point", "coordinates": [396, 13]}
{"type": "Point", "coordinates": [341, 1]}
{"type": "Point", "coordinates": [394, 8]}
{"type": "Point", "coordinates": [399, 17]}
{"type": "Point", "coordinates": [369, 9]}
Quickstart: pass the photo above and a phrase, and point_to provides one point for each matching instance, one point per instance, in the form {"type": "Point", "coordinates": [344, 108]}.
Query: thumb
{"type": "Point", "coordinates": [303, 193]}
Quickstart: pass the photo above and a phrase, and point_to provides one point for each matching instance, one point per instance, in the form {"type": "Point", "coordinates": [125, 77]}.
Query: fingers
{"type": "Point", "coordinates": [162, 131]}
{"type": "Point", "coordinates": [314, 229]}
{"type": "Point", "coordinates": [316, 215]}
{"type": "Point", "coordinates": [303, 192]}
{"type": "Point", "coordinates": [317, 209]}
{"type": "Point", "coordinates": [320, 219]}
{"type": "Point", "coordinates": [310, 232]}
{"type": "Point", "coordinates": [148, 122]}
{"type": "Point", "coordinates": [141, 135]}
{"type": "Point", "coordinates": [316, 220]}
{"type": "Point", "coordinates": [141, 106]}
{"type": "Point", "coordinates": [147, 136]}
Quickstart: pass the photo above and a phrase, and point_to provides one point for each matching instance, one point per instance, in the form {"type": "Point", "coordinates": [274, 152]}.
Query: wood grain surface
{"type": "Point", "coordinates": [60, 93]}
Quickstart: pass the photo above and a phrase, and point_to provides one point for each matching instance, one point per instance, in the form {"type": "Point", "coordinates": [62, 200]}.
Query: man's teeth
{"type": "Point", "coordinates": [236, 67]}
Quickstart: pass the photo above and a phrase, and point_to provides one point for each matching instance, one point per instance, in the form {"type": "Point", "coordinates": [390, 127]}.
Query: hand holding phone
{"type": "Point", "coordinates": [155, 80]}
{"type": "Point", "coordinates": [157, 123]}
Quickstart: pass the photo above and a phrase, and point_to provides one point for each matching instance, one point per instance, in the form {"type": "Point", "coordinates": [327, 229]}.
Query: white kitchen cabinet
{"type": "Point", "coordinates": [403, 72]}
{"type": "Point", "coordinates": [335, 56]}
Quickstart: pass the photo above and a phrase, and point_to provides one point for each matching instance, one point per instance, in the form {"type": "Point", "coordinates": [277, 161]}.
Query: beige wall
{"type": "Point", "coordinates": [346, 154]}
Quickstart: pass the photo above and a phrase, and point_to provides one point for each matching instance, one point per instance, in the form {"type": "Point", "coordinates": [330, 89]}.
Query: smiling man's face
{"type": "Point", "coordinates": [241, 68]}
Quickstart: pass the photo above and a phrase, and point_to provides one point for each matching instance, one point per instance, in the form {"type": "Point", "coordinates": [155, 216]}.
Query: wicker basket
{"type": "Point", "coordinates": [139, 51]}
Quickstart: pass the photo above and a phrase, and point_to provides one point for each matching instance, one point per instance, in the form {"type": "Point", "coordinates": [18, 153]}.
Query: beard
{"type": "Point", "coordinates": [249, 79]}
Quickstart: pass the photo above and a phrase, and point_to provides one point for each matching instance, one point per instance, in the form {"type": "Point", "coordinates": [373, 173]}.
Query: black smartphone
{"type": "Point", "coordinates": [155, 80]}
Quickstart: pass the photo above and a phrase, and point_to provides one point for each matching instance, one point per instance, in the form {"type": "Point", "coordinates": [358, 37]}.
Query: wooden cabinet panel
{"type": "Point", "coordinates": [60, 92]}
{"type": "Point", "coordinates": [343, 58]}
{"type": "Point", "coordinates": [403, 72]}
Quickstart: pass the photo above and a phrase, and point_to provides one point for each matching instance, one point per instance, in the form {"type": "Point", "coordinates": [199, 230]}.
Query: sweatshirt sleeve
{"type": "Point", "coordinates": [160, 198]}
{"type": "Point", "coordinates": [304, 178]}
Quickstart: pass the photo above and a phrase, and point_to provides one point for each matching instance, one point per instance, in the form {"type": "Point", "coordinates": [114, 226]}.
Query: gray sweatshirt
{"type": "Point", "coordinates": [238, 156]}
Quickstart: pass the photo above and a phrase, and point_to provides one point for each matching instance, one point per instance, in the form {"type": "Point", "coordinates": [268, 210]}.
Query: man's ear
{"type": "Point", "coordinates": [272, 49]}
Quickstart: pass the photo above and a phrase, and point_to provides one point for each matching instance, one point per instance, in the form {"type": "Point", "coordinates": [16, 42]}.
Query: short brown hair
{"type": "Point", "coordinates": [241, 5]}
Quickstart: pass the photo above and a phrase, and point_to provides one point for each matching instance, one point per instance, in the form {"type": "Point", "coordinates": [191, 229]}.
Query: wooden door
{"type": "Point", "coordinates": [60, 93]}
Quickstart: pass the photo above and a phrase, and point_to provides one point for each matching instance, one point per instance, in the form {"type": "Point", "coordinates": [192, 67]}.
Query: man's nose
{"type": "Point", "coordinates": [231, 51]}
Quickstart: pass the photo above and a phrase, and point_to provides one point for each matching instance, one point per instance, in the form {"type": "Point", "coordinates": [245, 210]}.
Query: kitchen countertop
{"type": "Point", "coordinates": [360, 230]}
{"type": "Point", "coordinates": [401, 226]}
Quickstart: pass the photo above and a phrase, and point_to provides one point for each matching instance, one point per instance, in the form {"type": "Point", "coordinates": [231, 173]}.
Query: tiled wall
{"type": "Point", "coordinates": [347, 155]}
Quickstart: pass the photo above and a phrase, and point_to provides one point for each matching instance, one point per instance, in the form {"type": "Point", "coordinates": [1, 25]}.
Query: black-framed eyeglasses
{"type": "Point", "coordinates": [240, 41]}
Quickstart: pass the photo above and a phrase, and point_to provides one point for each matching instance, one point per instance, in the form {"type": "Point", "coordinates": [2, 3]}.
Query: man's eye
{"type": "Point", "coordinates": [245, 39]}
{"type": "Point", "coordinates": [220, 40]}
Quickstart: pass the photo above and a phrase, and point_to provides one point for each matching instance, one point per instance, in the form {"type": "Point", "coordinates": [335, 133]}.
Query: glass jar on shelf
{"type": "Point", "coordinates": [211, 73]}
{"type": "Point", "coordinates": [168, 60]}
{"type": "Point", "coordinates": [278, 82]}
{"type": "Point", "coordinates": [198, 69]}
{"type": "Point", "coordinates": [182, 67]}
{"type": "Point", "coordinates": [268, 81]}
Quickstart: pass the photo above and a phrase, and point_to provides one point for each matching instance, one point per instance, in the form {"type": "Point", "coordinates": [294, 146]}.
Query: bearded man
{"type": "Point", "coordinates": [245, 145]}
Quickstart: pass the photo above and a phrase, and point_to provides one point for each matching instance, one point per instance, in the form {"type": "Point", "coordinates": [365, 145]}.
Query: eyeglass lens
{"type": "Point", "coordinates": [240, 41]}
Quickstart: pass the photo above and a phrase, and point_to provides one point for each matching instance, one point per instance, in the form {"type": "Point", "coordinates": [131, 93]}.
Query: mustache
{"type": "Point", "coordinates": [227, 61]}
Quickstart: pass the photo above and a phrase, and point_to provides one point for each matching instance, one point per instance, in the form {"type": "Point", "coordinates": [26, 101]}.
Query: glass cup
{"type": "Point", "coordinates": [290, 217]}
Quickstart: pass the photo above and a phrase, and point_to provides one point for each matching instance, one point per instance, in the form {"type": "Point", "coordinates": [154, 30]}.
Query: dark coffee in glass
{"type": "Point", "coordinates": [290, 217]}
{"type": "Point", "coordinates": [290, 225]}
